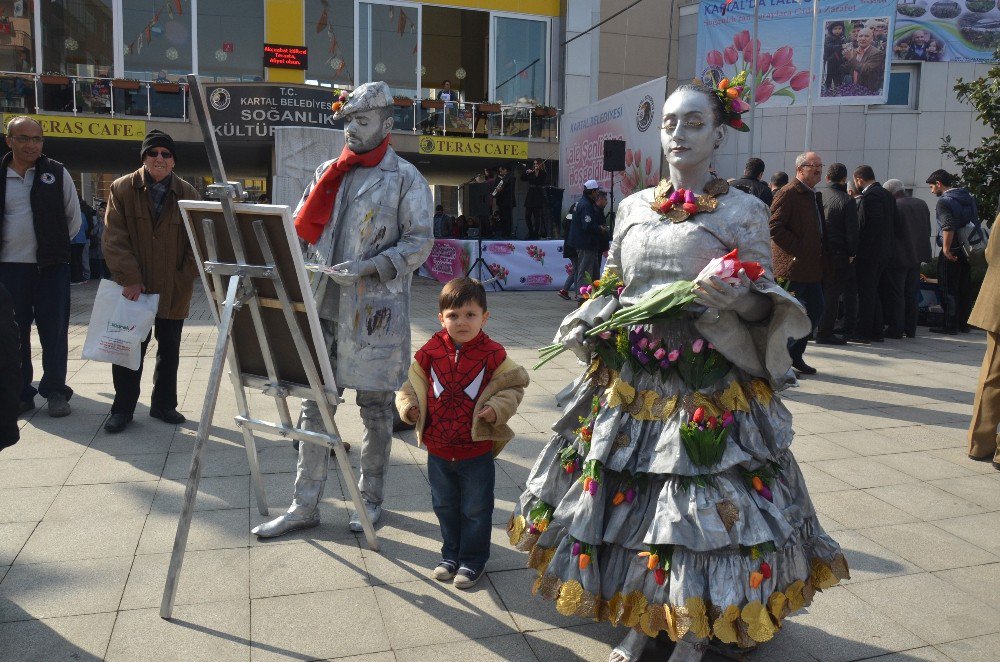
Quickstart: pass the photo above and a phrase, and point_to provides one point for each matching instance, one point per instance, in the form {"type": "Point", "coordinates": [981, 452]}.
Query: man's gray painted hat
{"type": "Point", "coordinates": [369, 96]}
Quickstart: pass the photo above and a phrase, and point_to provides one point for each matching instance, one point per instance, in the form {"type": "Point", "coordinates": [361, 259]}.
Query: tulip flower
{"type": "Point", "coordinates": [690, 208]}
{"type": "Point", "coordinates": [783, 73]}
{"type": "Point", "coordinates": [765, 569]}
{"type": "Point", "coordinates": [782, 57]}
{"type": "Point", "coordinates": [748, 50]}
{"type": "Point", "coordinates": [727, 418]}
{"type": "Point", "coordinates": [755, 579]}
{"type": "Point", "coordinates": [660, 576]}
{"type": "Point", "coordinates": [649, 164]}
{"type": "Point", "coordinates": [638, 156]}
{"type": "Point", "coordinates": [714, 59]}
{"type": "Point", "coordinates": [800, 81]}
{"type": "Point", "coordinates": [628, 158]}
{"type": "Point", "coordinates": [764, 91]}
{"type": "Point", "coordinates": [763, 62]}
{"type": "Point", "coordinates": [674, 355]}
{"type": "Point", "coordinates": [698, 345]}
{"type": "Point", "coordinates": [659, 354]}
{"type": "Point", "coordinates": [576, 549]}
{"type": "Point", "coordinates": [730, 55]}
{"type": "Point", "coordinates": [741, 39]}
{"type": "Point", "coordinates": [699, 415]}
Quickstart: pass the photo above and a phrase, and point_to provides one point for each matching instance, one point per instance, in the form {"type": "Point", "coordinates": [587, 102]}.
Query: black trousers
{"type": "Point", "coordinates": [168, 339]}
{"type": "Point", "coordinates": [869, 273]}
{"type": "Point", "coordinates": [506, 227]}
{"type": "Point", "coordinates": [900, 296]}
{"type": "Point", "coordinates": [534, 217]}
{"type": "Point", "coordinates": [955, 283]}
{"type": "Point", "coordinates": [834, 287]}
{"type": "Point", "coordinates": [76, 263]}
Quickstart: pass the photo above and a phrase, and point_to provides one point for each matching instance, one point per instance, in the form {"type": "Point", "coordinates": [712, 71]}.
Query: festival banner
{"type": "Point", "coordinates": [516, 265]}
{"type": "Point", "coordinates": [850, 63]}
{"type": "Point", "coordinates": [633, 116]}
{"type": "Point", "coordinates": [450, 258]}
{"type": "Point", "coordinates": [946, 30]}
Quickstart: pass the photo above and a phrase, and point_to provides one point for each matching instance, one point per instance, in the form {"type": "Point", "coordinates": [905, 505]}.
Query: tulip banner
{"type": "Point", "coordinates": [845, 66]}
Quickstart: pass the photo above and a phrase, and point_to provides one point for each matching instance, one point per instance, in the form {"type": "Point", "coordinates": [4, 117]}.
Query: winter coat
{"type": "Point", "coordinates": [10, 372]}
{"type": "Point", "coordinates": [154, 252]}
{"type": "Point", "coordinates": [840, 221]}
{"type": "Point", "coordinates": [986, 312]}
{"type": "Point", "coordinates": [877, 217]}
{"type": "Point", "coordinates": [585, 232]}
{"type": "Point", "coordinates": [914, 213]}
{"type": "Point", "coordinates": [796, 237]}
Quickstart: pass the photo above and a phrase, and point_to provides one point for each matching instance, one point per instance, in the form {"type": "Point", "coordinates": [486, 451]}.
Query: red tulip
{"type": "Point", "coordinates": [763, 62]}
{"type": "Point", "coordinates": [649, 164]}
{"type": "Point", "coordinates": [749, 49]}
{"type": "Point", "coordinates": [782, 56]}
{"type": "Point", "coordinates": [730, 54]}
{"type": "Point", "coordinates": [699, 415]}
{"type": "Point", "coordinates": [800, 81]}
{"type": "Point", "coordinates": [638, 156]}
{"type": "Point", "coordinates": [764, 91]}
{"type": "Point", "coordinates": [741, 39]}
{"type": "Point", "coordinates": [783, 73]}
{"type": "Point", "coordinates": [714, 58]}
{"type": "Point", "coordinates": [628, 158]}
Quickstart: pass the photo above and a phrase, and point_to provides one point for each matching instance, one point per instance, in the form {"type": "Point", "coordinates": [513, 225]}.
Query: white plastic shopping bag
{"type": "Point", "coordinates": [118, 326]}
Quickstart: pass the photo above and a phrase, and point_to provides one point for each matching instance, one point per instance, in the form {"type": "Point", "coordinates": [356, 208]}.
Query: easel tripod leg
{"type": "Point", "coordinates": [204, 427]}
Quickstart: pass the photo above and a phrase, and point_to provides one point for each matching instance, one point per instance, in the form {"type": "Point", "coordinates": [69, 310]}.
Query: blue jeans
{"type": "Point", "coordinates": [462, 494]}
{"type": "Point", "coordinates": [41, 296]}
{"type": "Point", "coordinates": [809, 295]}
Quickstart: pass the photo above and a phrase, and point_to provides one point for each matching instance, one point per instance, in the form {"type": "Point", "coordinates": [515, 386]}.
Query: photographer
{"type": "Point", "coordinates": [534, 201]}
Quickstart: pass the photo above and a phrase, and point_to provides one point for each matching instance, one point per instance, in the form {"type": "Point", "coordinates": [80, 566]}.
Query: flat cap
{"type": "Point", "coordinates": [369, 96]}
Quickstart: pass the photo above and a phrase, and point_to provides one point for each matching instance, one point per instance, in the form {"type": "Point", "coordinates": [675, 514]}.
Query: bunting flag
{"type": "Point", "coordinates": [180, 10]}
{"type": "Point", "coordinates": [322, 22]}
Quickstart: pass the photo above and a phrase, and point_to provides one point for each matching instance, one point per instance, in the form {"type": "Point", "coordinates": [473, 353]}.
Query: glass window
{"type": "Point", "coordinates": [77, 37]}
{"type": "Point", "coordinates": [17, 37]}
{"type": "Point", "coordinates": [903, 80]}
{"type": "Point", "coordinates": [330, 39]}
{"type": "Point", "coordinates": [157, 38]}
{"type": "Point", "coordinates": [521, 52]}
{"type": "Point", "coordinates": [231, 40]}
{"type": "Point", "coordinates": [388, 46]}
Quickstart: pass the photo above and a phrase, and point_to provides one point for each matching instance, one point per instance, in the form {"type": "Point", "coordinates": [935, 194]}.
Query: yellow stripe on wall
{"type": "Point", "coordinates": [284, 23]}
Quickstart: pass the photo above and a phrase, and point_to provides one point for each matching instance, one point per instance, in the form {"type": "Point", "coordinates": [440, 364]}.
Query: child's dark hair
{"type": "Point", "coordinates": [459, 291]}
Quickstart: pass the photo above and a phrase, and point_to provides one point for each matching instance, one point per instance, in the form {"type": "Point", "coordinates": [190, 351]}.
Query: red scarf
{"type": "Point", "coordinates": [318, 207]}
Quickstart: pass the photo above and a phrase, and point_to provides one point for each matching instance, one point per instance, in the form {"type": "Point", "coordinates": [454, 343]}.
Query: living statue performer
{"type": "Point", "coordinates": [668, 499]}
{"type": "Point", "coordinates": [367, 214]}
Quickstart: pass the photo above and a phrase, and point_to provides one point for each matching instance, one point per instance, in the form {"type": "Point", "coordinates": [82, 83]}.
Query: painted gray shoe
{"type": "Point", "coordinates": [374, 514]}
{"type": "Point", "coordinates": [286, 523]}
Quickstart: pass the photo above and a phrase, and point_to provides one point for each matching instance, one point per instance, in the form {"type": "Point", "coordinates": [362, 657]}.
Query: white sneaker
{"type": "Point", "coordinates": [374, 514]}
{"type": "Point", "coordinates": [466, 578]}
{"type": "Point", "coordinates": [445, 570]}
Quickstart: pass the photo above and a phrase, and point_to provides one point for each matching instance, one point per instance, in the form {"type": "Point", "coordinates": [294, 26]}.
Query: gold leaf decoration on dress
{"type": "Point", "coordinates": [724, 627]}
{"type": "Point", "coordinates": [587, 608]}
{"type": "Point", "coordinates": [821, 575]}
{"type": "Point", "coordinates": [527, 541]}
{"type": "Point", "coordinates": [645, 623]}
{"type": "Point", "coordinates": [699, 618]}
{"type": "Point", "coordinates": [604, 376]}
{"type": "Point", "coordinates": [687, 402]}
{"type": "Point", "coordinates": [614, 608]}
{"type": "Point", "coordinates": [669, 406]}
{"type": "Point", "coordinates": [658, 618]}
{"type": "Point", "coordinates": [762, 391]}
{"type": "Point", "coordinates": [758, 621]}
{"type": "Point", "coordinates": [539, 557]}
{"type": "Point", "coordinates": [680, 623]}
{"type": "Point", "coordinates": [619, 392]}
{"type": "Point", "coordinates": [548, 586]}
{"type": "Point", "coordinates": [536, 585]}
{"type": "Point", "coordinates": [515, 529]}
{"type": "Point", "coordinates": [633, 605]}
{"type": "Point", "coordinates": [728, 513]}
{"type": "Point", "coordinates": [570, 594]}
{"type": "Point", "coordinates": [777, 604]}
{"type": "Point", "coordinates": [839, 567]}
{"type": "Point", "coordinates": [733, 398]}
{"type": "Point", "coordinates": [808, 591]}
{"type": "Point", "coordinates": [620, 442]}
{"type": "Point", "coordinates": [708, 404]}
{"type": "Point", "coordinates": [794, 595]}
{"type": "Point", "coordinates": [595, 365]}
{"type": "Point", "coordinates": [645, 409]}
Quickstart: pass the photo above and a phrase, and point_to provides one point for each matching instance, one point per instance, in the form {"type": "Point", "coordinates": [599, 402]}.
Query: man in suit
{"type": "Point", "coordinates": [367, 214]}
{"type": "Point", "coordinates": [841, 229]}
{"type": "Point", "coordinates": [867, 62]}
{"type": "Point", "coordinates": [876, 218]}
{"type": "Point", "coordinates": [911, 248]}
{"type": "Point", "coordinates": [986, 316]}
{"type": "Point", "coordinates": [797, 244]}
{"type": "Point", "coordinates": [503, 196]}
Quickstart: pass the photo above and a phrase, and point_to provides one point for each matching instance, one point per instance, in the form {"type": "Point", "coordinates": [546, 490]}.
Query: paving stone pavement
{"type": "Point", "coordinates": [87, 523]}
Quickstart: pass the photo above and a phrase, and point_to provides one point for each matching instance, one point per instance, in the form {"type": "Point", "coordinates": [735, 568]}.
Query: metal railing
{"type": "Point", "coordinates": [433, 117]}
{"type": "Point", "coordinates": [37, 93]}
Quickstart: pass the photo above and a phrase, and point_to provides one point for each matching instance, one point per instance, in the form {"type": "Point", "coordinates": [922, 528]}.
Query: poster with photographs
{"type": "Point", "coordinates": [855, 59]}
{"type": "Point", "coordinates": [946, 30]}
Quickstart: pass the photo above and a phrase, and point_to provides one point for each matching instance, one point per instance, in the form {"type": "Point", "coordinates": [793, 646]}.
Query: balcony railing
{"type": "Point", "coordinates": [38, 93]}
{"type": "Point", "coordinates": [487, 120]}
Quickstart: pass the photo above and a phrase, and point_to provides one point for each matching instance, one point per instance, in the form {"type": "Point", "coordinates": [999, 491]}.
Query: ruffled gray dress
{"type": "Point", "coordinates": [730, 563]}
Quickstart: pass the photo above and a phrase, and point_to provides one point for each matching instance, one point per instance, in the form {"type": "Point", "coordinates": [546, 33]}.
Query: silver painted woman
{"type": "Point", "coordinates": [668, 499]}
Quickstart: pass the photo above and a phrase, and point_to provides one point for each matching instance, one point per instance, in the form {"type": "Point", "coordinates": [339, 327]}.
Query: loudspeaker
{"type": "Point", "coordinates": [476, 200]}
{"type": "Point", "coordinates": [614, 155]}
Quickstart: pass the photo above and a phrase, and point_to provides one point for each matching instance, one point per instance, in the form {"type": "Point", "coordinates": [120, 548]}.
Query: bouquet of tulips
{"type": "Point", "coordinates": [664, 302]}
{"type": "Point", "coordinates": [704, 437]}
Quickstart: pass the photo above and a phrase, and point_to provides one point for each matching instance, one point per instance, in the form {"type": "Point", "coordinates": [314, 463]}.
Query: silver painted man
{"type": "Point", "coordinates": [368, 214]}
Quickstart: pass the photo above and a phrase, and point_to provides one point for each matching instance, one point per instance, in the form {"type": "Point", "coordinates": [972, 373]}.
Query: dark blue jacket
{"type": "Point", "coordinates": [585, 229]}
{"type": "Point", "coordinates": [955, 208]}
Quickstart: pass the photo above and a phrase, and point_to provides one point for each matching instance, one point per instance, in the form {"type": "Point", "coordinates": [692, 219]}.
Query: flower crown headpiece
{"type": "Point", "coordinates": [732, 92]}
{"type": "Point", "coordinates": [341, 96]}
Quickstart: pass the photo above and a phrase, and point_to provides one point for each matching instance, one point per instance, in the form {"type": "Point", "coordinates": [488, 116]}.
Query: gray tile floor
{"type": "Point", "coordinates": [87, 522]}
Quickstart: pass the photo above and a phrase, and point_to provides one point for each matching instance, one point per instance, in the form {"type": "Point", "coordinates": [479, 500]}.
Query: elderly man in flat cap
{"type": "Point", "coordinates": [367, 213]}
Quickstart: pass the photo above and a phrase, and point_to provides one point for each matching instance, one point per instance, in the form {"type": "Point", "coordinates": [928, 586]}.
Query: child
{"type": "Point", "coordinates": [460, 392]}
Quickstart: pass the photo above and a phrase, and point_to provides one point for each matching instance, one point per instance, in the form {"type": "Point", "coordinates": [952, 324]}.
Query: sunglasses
{"type": "Point", "coordinates": [159, 152]}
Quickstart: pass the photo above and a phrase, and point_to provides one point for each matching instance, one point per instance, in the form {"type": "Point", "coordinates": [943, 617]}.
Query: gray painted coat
{"type": "Point", "coordinates": [387, 219]}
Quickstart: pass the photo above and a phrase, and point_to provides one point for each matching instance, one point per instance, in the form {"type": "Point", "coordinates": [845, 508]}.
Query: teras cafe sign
{"type": "Point", "coordinates": [493, 149]}
{"type": "Point", "coordinates": [61, 126]}
{"type": "Point", "coordinates": [250, 112]}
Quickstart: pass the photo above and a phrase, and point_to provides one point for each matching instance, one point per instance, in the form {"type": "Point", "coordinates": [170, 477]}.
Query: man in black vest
{"type": "Point", "coordinates": [41, 213]}
{"type": "Point", "coordinates": [751, 182]}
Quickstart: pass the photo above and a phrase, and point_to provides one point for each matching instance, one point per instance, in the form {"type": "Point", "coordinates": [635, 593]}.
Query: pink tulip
{"type": "Point", "coordinates": [659, 354]}
{"type": "Point", "coordinates": [727, 418]}
{"type": "Point", "coordinates": [674, 355]}
{"type": "Point", "coordinates": [783, 73]}
{"type": "Point", "coordinates": [743, 106]}
{"type": "Point", "coordinates": [604, 335]}
{"type": "Point", "coordinates": [749, 49]}
{"type": "Point", "coordinates": [741, 39]}
{"type": "Point", "coordinates": [638, 156]}
{"type": "Point", "coordinates": [782, 57]}
{"type": "Point", "coordinates": [698, 345]}
{"type": "Point", "coordinates": [649, 164]}
{"type": "Point", "coordinates": [800, 81]}
{"type": "Point", "coordinates": [730, 55]}
{"type": "Point", "coordinates": [764, 91]}
{"type": "Point", "coordinates": [714, 59]}
{"type": "Point", "coordinates": [628, 158]}
{"type": "Point", "coordinates": [763, 62]}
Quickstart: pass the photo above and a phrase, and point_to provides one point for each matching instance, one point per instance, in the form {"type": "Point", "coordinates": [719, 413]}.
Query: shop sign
{"type": "Point", "coordinates": [250, 112]}
{"type": "Point", "coordinates": [58, 126]}
{"type": "Point", "coordinates": [277, 56]}
{"type": "Point", "coordinates": [493, 149]}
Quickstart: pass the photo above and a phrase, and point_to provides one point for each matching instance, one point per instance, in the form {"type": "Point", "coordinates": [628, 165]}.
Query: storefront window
{"type": "Point", "coordinates": [521, 52]}
{"type": "Point", "coordinates": [388, 49]}
{"type": "Point", "coordinates": [231, 40]}
{"type": "Point", "coordinates": [17, 36]}
{"type": "Point", "coordinates": [330, 39]}
{"type": "Point", "coordinates": [76, 37]}
{"type": "Point", "coordinates": [157, 38]}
